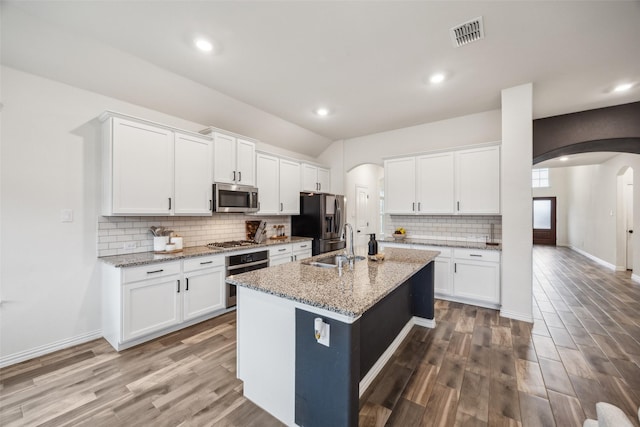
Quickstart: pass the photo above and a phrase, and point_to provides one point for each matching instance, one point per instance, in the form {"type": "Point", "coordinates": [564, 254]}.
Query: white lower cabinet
{"type": "Point", "coordinates": [476, 275]}
{"type": "Point", "coordinates": [144, 302]}
{"type": "Point", "coordinates": [204, 287]}
{"type": "Point", "coordinates": [301, 250]}
{"type": "Point", "coordinates": [464, 275]}
{"type": "Point", "coordinates": [149, 306]}
{"type": "Point", "coordinates": [280, 254]}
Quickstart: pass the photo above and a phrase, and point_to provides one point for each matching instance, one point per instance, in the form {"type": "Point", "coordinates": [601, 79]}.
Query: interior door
{"type": "Point", "coordinates": [544, 221]}
{"type": "Point", "coordinates": [362, 215]}
{"type": "Point", "coordinates": [628, 199]}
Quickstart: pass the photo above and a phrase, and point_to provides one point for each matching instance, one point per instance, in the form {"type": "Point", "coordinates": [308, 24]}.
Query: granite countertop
{"type": "Point", "coordinates": [351, 294]}
{"type": "Point", "coordinates": [143, 258]}
{"type": "Point", "coordinates": [446, 243]}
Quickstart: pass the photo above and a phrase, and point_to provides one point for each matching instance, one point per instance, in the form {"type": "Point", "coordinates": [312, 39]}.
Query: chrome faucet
{"type": "Point", "coordinates": [351, 253]}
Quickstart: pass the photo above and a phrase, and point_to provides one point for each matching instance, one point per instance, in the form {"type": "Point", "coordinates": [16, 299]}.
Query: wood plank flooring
{"type": "Point", "coordinates": [474, 369]}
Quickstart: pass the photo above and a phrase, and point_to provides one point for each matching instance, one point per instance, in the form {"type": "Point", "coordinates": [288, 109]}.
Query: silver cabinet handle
{"type": "Point", "coordinates": [207, 262]}
{"type": "Point", "coordinates": [155, 271]}
{"type": "Point", "coordinates": [169, 203]}
{"type": "Point", "coordinates": [413, 206]}
{"type": "Point", "coordinates": [234, 175]}
{"type": "Point", "coordinates": [281, 207]}
{"type": "Point", "coordinates": [283, 249]}
{"type": "Point", "coordinates": [475, 255]}
{"type": "Point", "coordinates": [239, 176]}
{"type": "Point", "coordinates": [458, 205]}
{"type": "Point", "coordinates": [303, 246]}
{"type": "Point", "coordinates": [455, 267]}
{"type": "Point", "coordinates": [178, 286]}
{"type": "Point", "coordinates": [187, 288]}
{"type": "Point", "coordinates": [418, 207]}
{"type": "Point", "coordinates": [210, 205]}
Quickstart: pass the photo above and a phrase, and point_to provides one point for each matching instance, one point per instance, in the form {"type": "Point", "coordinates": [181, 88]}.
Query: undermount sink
{"type": "Point", "coordinates": [332, 261]}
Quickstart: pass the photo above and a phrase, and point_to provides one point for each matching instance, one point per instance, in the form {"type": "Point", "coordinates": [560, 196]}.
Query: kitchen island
{"type": "Point", "coordinates": [367, 309]}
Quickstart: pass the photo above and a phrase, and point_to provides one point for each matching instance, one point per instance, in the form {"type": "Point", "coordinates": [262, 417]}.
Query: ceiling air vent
{"type": "Point", "coordinates": [468, 32]}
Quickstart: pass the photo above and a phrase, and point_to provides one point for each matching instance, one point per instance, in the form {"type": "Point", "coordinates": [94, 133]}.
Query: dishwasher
{"type": "Point", "coordinates": [236, 264]}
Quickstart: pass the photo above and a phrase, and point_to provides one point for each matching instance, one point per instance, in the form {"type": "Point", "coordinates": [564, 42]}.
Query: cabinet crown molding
{"type": "Point", "coordinates": [445, 150]}
{"type": "Point", "coordinates": [109, 114]}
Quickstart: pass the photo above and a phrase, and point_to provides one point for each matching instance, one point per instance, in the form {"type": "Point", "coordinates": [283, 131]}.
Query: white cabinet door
{"type": "Point", "coordinates": [400, 186]}
{"type": "Point", "coordinates": [289, 187]}
{"type": "Point", "coordinates": [324, 180]}
{"type": "Point", "coordinates": [478, 181]}
{"type": "Point", "coordinates": [477, 280]}
{"type": "Point", "coordinates": [300, 255]}
{"type": "Point", "coordinates": [149, 306]}
{"type": "Point", "coordinates": [142, 168]}
{"type": "Point", "coordinates": [277, 260]}
{"type": "Point", "coordinates": [435, 187]}
{"type": "Point", "coordinates": [442, 276]}
{"type": "Point", "coordinates": [193, 175]}
{"type": "Point", "coordinates": [203, 292]}
{"type": "Point", "coordinates": [280, 254]}
{"type": "Point", "coordinates": [245, 162]}
{"type": "Point", "coordinates": [309, 178]}
{"type": "Point", "coordinates": [224, 158]}
{"type": "Point", "coordinates": [267, 174]}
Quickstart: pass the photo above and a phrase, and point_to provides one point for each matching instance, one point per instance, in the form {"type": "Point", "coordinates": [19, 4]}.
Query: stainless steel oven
{"type": "Point", "coordinates": [242, 263]}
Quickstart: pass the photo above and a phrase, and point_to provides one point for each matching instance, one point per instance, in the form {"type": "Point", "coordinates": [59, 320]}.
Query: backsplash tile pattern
{"type": "Point", "coordinates": [446, 227]}
{"type": "Point", "coordinates": [115, 231]}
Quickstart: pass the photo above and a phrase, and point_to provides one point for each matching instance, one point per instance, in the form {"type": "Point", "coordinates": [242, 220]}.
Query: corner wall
{"type": "Point", "coordinates": [517, 136]}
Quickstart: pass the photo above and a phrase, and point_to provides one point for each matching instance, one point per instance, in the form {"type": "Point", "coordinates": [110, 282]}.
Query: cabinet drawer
{"type": "Point", "coordinates": [199, 263]}
{"type": "Point", "coordinates": [150, 271]}
{"type": "Point", "coordinates": [279, 250]}
{"type": "Point", "coordinates": [302, 246]}
{"type": "Point", "coordinates": [477, 255]}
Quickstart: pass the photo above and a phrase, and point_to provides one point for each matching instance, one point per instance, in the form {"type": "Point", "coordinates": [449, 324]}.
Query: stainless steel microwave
{"type": "Point", "coordinates": [234, 198]}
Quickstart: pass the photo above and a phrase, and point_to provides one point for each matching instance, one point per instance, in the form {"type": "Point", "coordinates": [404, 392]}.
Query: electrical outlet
{"type": "Point", "coordinates": [66, 215]}
{"type": "Point", "coordinates": [130, 245]}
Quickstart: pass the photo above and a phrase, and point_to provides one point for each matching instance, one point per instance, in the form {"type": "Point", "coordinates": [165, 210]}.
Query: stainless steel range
{"type": "Point", "coordinates": [241, 263]}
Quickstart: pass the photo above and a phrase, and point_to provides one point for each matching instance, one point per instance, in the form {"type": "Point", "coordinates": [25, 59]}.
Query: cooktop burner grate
{"type": "Point", "coordinates": [232, 244]}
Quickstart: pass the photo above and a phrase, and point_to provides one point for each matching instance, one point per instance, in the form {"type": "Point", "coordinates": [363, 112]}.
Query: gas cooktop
{"type": "Point", "coordinates": [232, 244]}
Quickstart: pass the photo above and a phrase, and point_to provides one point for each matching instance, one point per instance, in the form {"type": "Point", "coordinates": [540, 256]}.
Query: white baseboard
{"type": "Point", "coordinates": [594, 258]}
{"type": "Point", "coordinates": [384, 358]}
{"type": "Point", "coordinates": [49, 348]}
{"type": "Point", "coordinates": [516, 316]}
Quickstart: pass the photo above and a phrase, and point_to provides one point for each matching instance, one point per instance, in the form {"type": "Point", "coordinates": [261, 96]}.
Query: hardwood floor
{"type": "Point", "coordinates": [478, 369]}
{"type": "Point", "coordinates": [474, 369]}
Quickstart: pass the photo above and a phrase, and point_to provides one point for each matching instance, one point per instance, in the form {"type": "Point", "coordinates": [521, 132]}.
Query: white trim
{"type": "Point", "coordinates": [635, 278]}
{"type": "Point", "coordinates": [386, 356]}
{"type": "Point", "coordinates": [49, 348]}
{"type": "Point", "coordinates": [594, 258]}
{"type": "Point", "coordinates": [516, 316]}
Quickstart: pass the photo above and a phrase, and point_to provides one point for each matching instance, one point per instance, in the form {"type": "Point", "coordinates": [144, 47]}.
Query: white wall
{"type": "Point", "coordinates": [333, 157]}
{"type": "Point", "coordinates": [516, 155]}
{"type": "Point", "coordinates": [592, 207]}
{"type": "Point", "coordinates": [558, 189]}
{"type": "Point", "coordinates": [457, 132]}
{"type": "Point", "coordinates": [49, 283]}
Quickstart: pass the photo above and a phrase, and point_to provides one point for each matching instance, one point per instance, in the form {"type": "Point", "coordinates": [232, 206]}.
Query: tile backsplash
{"type": "Point", "coordinates": [116, 231]}
{"type": "Point", "coordinates": [446, 227]}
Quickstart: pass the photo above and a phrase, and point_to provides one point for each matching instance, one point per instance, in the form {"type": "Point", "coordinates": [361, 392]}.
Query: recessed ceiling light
{"type": "Point", "coordinates": [322, 111]}
{"type": "Point", "coordinates": [437, 78]}
{"type": "Point", "coordinates": [623, 87]}
{"type": "Point", "coordinates": [564, 158]}
{"type": "Point", "coordinates": [203, 45]}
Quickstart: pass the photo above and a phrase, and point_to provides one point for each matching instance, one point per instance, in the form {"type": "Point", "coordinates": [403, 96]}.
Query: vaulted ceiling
{"type": "Point", "coordinates": [369, 63]}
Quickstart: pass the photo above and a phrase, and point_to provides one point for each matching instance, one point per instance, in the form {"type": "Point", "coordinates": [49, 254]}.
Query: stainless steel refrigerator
{"type": "Point", "coordinates": [321, 217]}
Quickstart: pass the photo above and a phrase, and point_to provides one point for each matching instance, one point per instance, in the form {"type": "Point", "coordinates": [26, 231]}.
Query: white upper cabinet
{"type": "Point", "coordinates": [400, 186]}
{"type": "Point", "coordinates": [435, 188]}
{"type": "Point", "coordinates": [268, 177]}
{"type": "Point", "coordinates": [315, 179]}
{"type": "Point", "coordinates": [465, 182]}
{"type": "Point", "coordinates": [193, 175]}
{"type": "Point", "coordinates": [233, 160]}
{"type": "Point", "coordinates": [289, 187]}
{"type": "Point", "coordinates": [278, 184]}
{"type": "Point", "coordinates": [150, 169]}
{"type": "Point", "coordinates": [478, 181]}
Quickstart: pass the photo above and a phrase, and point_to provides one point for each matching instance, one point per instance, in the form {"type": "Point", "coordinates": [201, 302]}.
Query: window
{"type": "Point", "coordinates": [540, 178]}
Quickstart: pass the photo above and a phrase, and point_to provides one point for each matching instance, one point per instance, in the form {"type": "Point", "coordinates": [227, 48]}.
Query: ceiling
{"type": "Point", "coordinates": [580, 159]}
{"type": "Point", "coordinates": [368, 62]}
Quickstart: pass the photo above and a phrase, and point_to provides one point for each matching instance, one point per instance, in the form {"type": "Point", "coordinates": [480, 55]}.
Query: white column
{"type": "Point", "coordinates": [516, 159]}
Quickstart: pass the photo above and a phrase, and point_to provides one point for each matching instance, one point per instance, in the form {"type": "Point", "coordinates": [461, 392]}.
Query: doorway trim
{"type": "Point", "coordinates": [621, 220]}
{"type": "Point", "coordinates": [540, 235]}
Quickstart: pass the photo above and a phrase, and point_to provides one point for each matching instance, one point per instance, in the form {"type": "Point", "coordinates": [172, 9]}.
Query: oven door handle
{"type": "Point", "coordinates": [230, 268]}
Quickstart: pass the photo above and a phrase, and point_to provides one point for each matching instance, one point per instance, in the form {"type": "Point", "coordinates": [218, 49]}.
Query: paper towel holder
{"type": "Point", "coordinates": [321, 331]}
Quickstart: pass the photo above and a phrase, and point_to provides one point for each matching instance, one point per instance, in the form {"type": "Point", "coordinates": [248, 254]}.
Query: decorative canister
{"type": "Point", "coordinates": [160, 243]}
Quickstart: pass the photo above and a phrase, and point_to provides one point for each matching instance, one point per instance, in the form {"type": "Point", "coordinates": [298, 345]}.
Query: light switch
{"type": "Point", "coordinates": [66, 215]}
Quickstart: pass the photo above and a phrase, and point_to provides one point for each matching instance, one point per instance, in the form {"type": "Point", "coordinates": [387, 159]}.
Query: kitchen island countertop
{"type": "Point", "coordinates": [349, 294]}
{"type": "Point", "coordinates": [464, 244]}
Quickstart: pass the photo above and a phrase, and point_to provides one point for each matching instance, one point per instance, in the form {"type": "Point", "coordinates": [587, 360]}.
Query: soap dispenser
{"type": "Point", "coordinates": [373, 245]}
